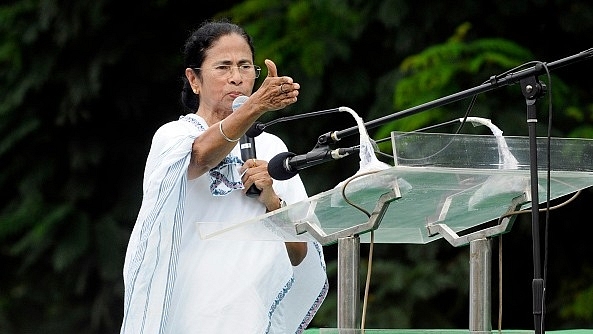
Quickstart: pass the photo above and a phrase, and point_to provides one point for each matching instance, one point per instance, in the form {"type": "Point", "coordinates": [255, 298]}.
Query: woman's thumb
{"type": "Point", "coordinates": [272, 71]}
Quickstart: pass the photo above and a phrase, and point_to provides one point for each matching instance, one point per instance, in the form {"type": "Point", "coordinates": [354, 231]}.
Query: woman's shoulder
{"type": "Point", "coordinates": [194, 120]}
{"type": "Point", "coordinates": [186, 124]}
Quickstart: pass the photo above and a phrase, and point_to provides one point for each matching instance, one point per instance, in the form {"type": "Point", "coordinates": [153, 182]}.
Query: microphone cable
{"type": "Point", "coordinates": [371, 245]}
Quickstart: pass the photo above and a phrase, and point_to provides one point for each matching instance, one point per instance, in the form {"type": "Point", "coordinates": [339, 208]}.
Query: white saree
{"type": "Point", "coordinates": [176, 282]}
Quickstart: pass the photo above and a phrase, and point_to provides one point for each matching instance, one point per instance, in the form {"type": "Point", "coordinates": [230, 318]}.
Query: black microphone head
{"type": "Point", "coordinates": [255, 130]}
{"type": "Point", "coordinates": [278, 167]}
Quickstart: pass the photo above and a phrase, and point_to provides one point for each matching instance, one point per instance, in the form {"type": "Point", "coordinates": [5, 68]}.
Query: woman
{"type": "Point", "coordinates": [175, 282]}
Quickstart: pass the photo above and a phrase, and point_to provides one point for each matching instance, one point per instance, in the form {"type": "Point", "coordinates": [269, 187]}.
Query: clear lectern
{"type": "Point", "coordinates": [440, 186]}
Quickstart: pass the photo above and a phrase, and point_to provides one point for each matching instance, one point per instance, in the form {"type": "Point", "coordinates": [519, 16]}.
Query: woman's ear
{"type": "Point", "coordinates": [193, 79]}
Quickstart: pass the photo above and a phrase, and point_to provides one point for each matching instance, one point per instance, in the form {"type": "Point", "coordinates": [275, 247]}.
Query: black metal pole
{"type": "Point", "coordinates": [533, 89]}
{"type": "Point", "coordinates": [494, 83]}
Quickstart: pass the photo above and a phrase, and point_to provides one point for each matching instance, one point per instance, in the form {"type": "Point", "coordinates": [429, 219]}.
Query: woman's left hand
{"type": "Point", "coordinates": [275, 92]}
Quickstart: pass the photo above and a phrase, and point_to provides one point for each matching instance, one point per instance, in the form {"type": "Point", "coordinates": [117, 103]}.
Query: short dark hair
{"type": "Point", "coordinates": [194, 52]}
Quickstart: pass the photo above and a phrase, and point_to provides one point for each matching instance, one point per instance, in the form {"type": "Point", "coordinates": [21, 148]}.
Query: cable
{"type": "Point", "coordinates": [548, 191]}
{"type": "Point", "coordinates": [430, 127]}
{"type": "Point", "coordinates": [347, 200]}
{"type": "Point", "coordinates": [500, 283]}
{"type": "Point", "coordinates": [518, 212]}
{"type": "Point", "coordinates": [371, 246]}
{"type": "Point", "coordinates": [463, 121]}
{"type": "Point", "coordinates": [368, 282]}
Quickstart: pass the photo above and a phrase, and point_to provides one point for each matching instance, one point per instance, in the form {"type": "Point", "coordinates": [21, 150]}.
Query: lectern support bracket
{"type": "Point", "coordinates": [505, 226]}
{"type": "Point", "coordinates": [372, 223]}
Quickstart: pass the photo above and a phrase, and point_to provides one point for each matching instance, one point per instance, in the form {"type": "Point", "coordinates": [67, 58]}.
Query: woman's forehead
{"type": "Point", "coordinates": [231, 47]}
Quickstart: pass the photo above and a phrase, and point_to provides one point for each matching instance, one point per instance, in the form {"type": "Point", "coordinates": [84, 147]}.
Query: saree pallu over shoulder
{"type": "Point", "coordinates": [151, 260]}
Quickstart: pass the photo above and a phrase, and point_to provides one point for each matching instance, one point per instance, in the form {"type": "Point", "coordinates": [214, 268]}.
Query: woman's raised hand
{"type": "Point", "coordinates": [275, 92]}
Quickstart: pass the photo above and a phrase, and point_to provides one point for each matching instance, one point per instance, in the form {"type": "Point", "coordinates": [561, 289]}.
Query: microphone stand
{"type": "Point", "coordinates": [532, 89]}
{"type": "Point", "coordinates": [493, 83]}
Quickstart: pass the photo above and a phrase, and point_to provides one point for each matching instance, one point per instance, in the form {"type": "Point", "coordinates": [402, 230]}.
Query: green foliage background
{"type": "Point", "coordinates": [84, 85]}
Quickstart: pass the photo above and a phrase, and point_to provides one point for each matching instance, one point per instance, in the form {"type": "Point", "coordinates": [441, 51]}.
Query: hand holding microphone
{"type": "Point", "coordinates": [247, 146]}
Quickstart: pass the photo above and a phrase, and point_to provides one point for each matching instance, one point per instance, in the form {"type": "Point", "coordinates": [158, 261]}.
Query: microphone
{"type": "Point", "coordinates": [287, 164]}
{"type": "Point", "coordinates": [256, 129]}
{"type": "Point", "coordinates": [247, 146]}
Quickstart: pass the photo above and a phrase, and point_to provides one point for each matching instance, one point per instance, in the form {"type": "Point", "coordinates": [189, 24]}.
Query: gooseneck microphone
{"type": "Point", "coordinates": [258, 127]}
{"type": "Point", "coordinates": [287, 164]}
{"type": "Point", "coordinates": [247, 146]}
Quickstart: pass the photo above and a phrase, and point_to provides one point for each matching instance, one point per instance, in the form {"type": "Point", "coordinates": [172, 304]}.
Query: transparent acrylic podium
{"type": "Point", "coordinates": [441, 185]}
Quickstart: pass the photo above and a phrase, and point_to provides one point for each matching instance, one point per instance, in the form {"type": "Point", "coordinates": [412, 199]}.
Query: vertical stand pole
{"type": "Point", "coordinates": [532, 89]}
{"type": "Point", "coordinates": [480, 281]}
{"type": "Point", "coordinates": [348, 282]}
